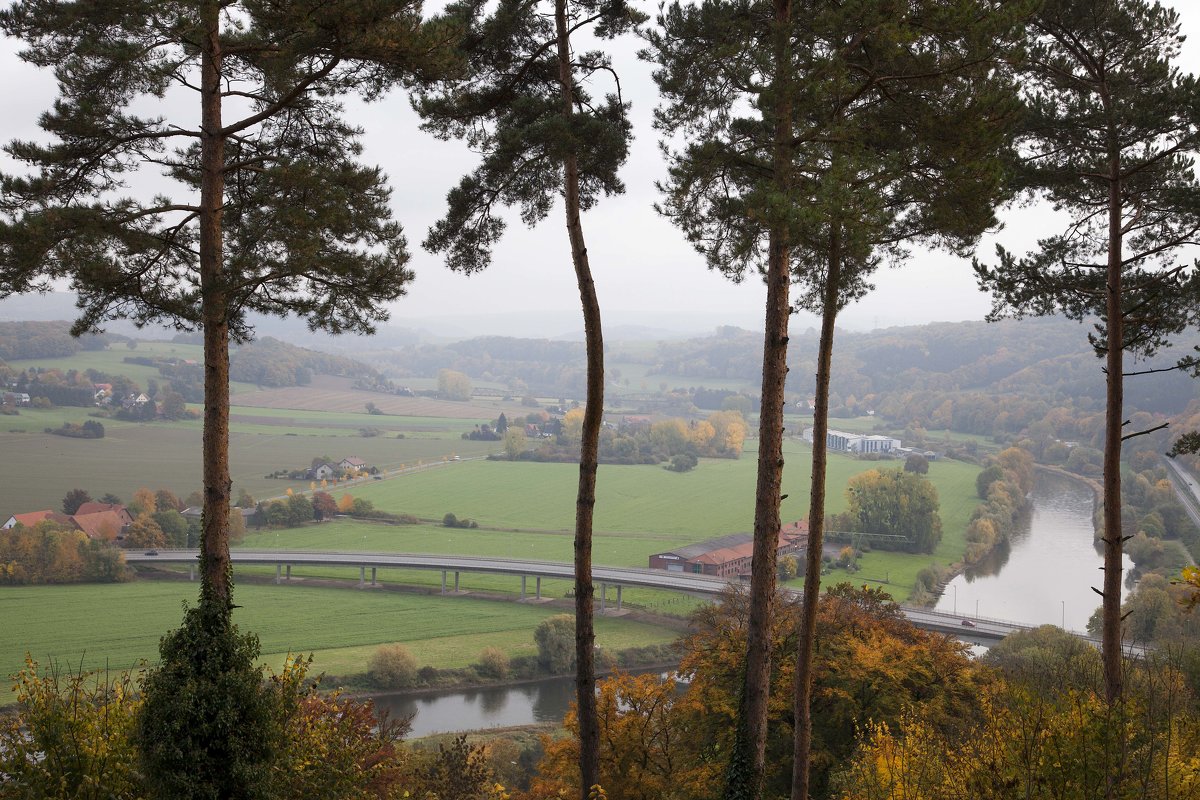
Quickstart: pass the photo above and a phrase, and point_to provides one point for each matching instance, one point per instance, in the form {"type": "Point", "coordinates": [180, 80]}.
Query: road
{"type": "Point", "coordinates": [982, 631]}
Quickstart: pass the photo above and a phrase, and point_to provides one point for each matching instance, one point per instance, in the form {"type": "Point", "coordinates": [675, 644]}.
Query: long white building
{"type": "Point", "coordinates": [859, 443]}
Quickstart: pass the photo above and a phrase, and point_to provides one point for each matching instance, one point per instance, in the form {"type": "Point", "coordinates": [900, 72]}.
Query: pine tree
{"type": "Point", "coordinates": [268, 212]}
{"type": "Point", "coordinates": [524, 105]}
{"type": "Point", "coordinates": [822, 139]}
{"type": "Point", "coordinates": [1109, 136]}
{"type": "Point", "coordinates": [261, 206]}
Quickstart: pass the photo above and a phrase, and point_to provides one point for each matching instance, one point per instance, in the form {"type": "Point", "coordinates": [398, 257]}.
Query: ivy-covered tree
{"type": "Point", "coordinates": [821, 140]}
{"type": "Point", "coordinates": [525, 105]}
{"type": "Point", "coordinates": [261, 206]}
{"type": "Point", "coordinates": [1109, 137]}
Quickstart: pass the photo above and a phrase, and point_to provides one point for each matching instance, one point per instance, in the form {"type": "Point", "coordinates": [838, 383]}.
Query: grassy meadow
{"type": "Point", "coordinates": [527, 510]}
{"type": "Point", "coordinates": [122, 623]}
{"type": "Point", "coordinates": [712, 500]}
{"type": "Point", "coordinates": [167, 454]}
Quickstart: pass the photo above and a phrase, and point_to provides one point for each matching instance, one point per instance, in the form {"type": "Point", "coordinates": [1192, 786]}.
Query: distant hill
{"type": "Point", "coordinates": [60, 306]}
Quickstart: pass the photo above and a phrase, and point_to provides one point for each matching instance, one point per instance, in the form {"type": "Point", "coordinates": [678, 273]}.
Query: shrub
{"type": "Point", "coordinates": [72, 736]}
{"type": "Point", "coordinates": [392, 667]}
{"type": "Point", "coordinates": [682, 463]}
{"type": "Point", "coordinates": [555, 638]}
{"type": "Point", "coordinates": [493, 663]}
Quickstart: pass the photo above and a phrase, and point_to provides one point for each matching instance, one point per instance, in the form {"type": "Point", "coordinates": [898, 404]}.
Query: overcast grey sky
{"type": "Point", "coordinates": [645, 273]}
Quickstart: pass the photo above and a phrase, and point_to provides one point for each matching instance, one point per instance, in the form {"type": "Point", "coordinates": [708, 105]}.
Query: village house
{"type": "Point", "coordinates": [104, 521]}
{"type": "Point", "coordinates": [101, 525]}
{"type": "Point", "coordinates": [322, 472]}
{"type": "Point", "coordinates": [31, 518]}
{"type": "Point", "coordinates": [93, 507]}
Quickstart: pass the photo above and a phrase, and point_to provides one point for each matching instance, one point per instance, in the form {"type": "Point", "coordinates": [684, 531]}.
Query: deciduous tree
{"type": "Point", "coordinates": [324, 506]}
{"type": "Point", "coordinates": [145, 532]}
{"type": "Point", "coordinates": [894, 502]}
{"type": "Point", "coordinates": [454, 385]}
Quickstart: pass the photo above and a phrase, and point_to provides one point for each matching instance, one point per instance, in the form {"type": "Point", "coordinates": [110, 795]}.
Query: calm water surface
{"type": "Point", "coordinates": [494, 707]}
{"type": "Point", "coordinates": [1046, 573]}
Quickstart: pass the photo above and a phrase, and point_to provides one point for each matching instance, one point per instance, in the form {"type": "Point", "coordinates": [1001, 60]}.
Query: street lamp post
{"type": "Point", "coordinates": [955, 588]}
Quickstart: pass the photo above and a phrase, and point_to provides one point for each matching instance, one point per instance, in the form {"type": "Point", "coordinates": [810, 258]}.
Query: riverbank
{"type": "Point", "coordinates": [523, 668]}
{"type": "Point", "coordinates": [1046, 573]}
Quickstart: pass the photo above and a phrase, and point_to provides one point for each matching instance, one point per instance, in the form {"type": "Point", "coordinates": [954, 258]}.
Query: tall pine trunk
{"type": "Point", "coordinates": [593, 415]}
{"type": "Point", "coordinates": [806, 638]}
{"type": "Point", "coordinates": [215, 571]}
{"type": "Point", "coordinates": [1113, 413]}
{"type": "Point", "coordinates": [744, 779]}
{"type": "Point", "coordinates": [1114, 540]}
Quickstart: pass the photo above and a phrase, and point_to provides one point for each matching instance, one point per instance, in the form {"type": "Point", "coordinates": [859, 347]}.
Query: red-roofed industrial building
{"type": "Point", "coordinates": [728, 556]}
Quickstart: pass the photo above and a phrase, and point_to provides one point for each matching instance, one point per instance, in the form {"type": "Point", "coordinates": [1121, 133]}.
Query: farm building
{"type": "Point", "coordinates": [728, 556]}
{"type": "Point", "coordinates": [32, 518]}
{"type": "Point", "coordinates": [100, 521]}
{"type": "Point", "coordinates": [93, 507]}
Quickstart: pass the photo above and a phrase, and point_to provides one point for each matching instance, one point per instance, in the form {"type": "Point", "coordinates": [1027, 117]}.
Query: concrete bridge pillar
{"type": "Point", "coordinates": [539, 587]}
{"type": "Point", "coordinates": [619, 587]}
{"type": "Point", "coordinates": [522, 588]}
{"type": "Point", "coordinates": [443, 581]}
{"type": "Point", "coordinates": [456, 581]}
{"type": "Point", "coordinates": [603, 596]}
{"type": "Point", "coordinates": [191, 572]}
{"type": "Point", "coordinates": [278, 573]}
{"type": "Point", "coordinates": [287, 575]}
{"type": "Point", "coordinates": [362, 577]}
{"type": "Point", "coordinates": [373, 576]}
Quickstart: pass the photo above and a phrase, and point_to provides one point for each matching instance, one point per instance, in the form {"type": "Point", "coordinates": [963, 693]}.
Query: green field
{"type": "Point", "coordinates": [118, 625]}
{"type": "Point", "coordinates": [527, 510]}
{"type": "Point", "coordinates": [714, 499]}
{"type": "Point", "coordinates": [167, 455]}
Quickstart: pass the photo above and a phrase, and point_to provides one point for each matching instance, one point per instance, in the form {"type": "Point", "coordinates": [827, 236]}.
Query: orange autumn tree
{"type": "Point", "coordinates": [647, 745]}
{"type": "Point", "coordinates": [872, 665]}
{"type": "Point", "coordinates": [659, 744]}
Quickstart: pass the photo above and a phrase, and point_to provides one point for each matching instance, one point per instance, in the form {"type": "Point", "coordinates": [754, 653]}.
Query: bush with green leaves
{"type": "Point", "coordinates": [555, 638]}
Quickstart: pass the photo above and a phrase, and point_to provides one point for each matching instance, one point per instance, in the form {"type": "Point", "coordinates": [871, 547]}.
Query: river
{"type": "Point", "coordinates": [1047, 571]}
{"type": "Point", "coordinates": [1044, 575]}
{"type": "Point", "coordinates": [473, 709]}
